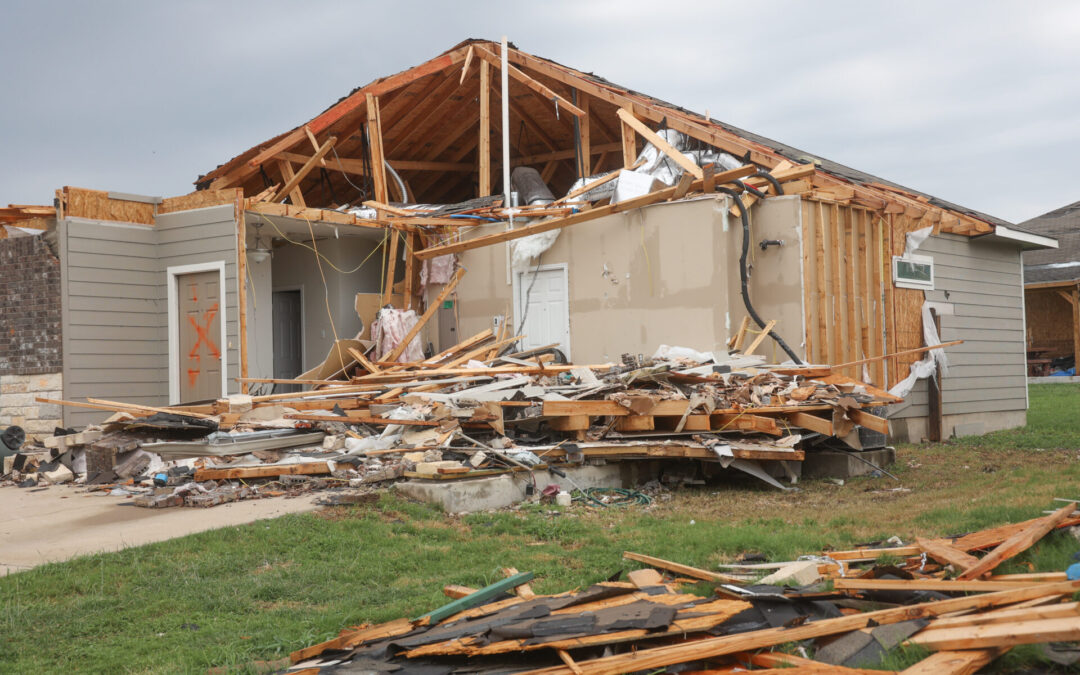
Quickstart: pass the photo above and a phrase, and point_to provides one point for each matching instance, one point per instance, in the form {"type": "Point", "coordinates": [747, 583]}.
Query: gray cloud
{"type": "Point", "coordinates": [974, 102]}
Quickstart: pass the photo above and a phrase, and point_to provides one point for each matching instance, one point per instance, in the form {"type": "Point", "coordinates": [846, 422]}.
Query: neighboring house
{"type": "Point", "coordinates": [140, 276]}
{"type": "Point", "coordinates": [1052, 291]}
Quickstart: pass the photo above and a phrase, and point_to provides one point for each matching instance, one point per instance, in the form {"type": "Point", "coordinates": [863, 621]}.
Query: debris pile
{"type": "Point", "coordinates": [470, 411]}
{"type": "Point", "coordinates": [834, 612]}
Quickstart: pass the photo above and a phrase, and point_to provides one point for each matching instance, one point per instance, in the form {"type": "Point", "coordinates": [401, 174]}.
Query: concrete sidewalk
{"type": "Point", "coordinates": [63, 522]}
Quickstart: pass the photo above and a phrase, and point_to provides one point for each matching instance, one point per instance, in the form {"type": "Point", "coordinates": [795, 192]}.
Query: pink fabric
{"type": "Point", "coordinates": [390, 328]}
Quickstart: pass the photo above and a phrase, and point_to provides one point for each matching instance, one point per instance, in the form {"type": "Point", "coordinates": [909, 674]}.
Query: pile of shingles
{"type": "Point", "coordinates": [943, 597]}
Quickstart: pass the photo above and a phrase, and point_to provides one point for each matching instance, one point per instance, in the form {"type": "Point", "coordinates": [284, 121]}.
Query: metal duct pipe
{"type": "Point", "coordinates": [530, 187]}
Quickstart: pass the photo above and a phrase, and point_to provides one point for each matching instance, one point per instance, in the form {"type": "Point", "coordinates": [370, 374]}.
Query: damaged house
{"type": "Point", "coordinates": [1052, 294]}
{"type": "Point", "coordinates": [489, 186]}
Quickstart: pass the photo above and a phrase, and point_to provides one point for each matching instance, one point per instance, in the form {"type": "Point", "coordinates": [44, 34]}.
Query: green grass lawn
{"type": "Point", "coordinates": [233, 596]}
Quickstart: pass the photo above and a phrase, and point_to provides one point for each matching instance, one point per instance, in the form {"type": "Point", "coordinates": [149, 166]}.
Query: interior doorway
{"type": "Point", "coordinates": [288, 312]}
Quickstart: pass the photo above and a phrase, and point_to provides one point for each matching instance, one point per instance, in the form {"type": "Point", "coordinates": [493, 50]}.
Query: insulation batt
{"type": "Point", "coordinates": [438, 270]}
{"type": "Point", "coordinates": [390, 327]}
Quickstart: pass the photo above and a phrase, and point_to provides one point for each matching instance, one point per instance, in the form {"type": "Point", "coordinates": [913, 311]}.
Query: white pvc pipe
{"type": "Point", "coordinates": [506, 130]}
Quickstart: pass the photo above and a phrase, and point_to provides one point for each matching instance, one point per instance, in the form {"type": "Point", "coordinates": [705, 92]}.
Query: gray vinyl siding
{"type": "Point", "coordinates": [115, 342]}
{"type": "Point", "coordinates": [115, 303]}
{"type": "Point", "coordinates": [982, 279]}
{"type": "Point", "coordinates": [202, 236]}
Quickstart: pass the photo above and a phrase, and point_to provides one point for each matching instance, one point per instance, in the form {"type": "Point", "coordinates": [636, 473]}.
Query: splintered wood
{"type": "Point", "coordinates": [649, 624]}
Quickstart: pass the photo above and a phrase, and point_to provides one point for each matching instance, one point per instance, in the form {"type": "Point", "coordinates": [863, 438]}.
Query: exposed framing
{"type": "Point", "coordinates": [174, 323]}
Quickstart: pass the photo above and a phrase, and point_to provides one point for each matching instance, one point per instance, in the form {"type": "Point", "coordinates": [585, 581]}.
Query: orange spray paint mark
{"type": "Point", "coordinates": [201, 332]}
{"type": "Point", "coordinates": [192, 376]}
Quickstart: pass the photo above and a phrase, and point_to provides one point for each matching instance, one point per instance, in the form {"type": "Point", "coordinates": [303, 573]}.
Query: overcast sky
{"type": "Point", "coordinates": [974, 102]}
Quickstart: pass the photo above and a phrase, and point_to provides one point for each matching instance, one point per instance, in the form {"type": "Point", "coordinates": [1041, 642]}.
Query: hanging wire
{"type": "Point", "coordinates": [316, 251]}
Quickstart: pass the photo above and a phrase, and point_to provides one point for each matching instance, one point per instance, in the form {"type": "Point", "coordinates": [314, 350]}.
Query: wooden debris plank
{"type": "Point", "coordinates": [363, 360]}
{"type": "Point", "coordinates": [955, 662]}
{"type": "Point", "coordinates": [354, 638]}
{"type": "Point", "coordinates": [542, 90]}
{"type": "Point", "coordinates": [998, 635]}
{"type": "Point", "coordinates": [287, 176]}
{"type": "Point", "coordinates": [1019, 542]}
{"type": "Point", "coordinates": [657, 657]}
{"type": "Point", "coordinates": [484, 144]}
{"type": "Point", "coordinates": [872, 422]}
{"type": "Point", "coordinates": [663, 146]}
{"type": "Point", "coordinates": [781, 660]}
{"type": "Point", "coordinates": [267, 471]}
{"type": "Point", "coordinates": [679, 568]}
{"type": "Point", "coordinates": [811, 422]}
{"type": "Point", "coordinates": [764, 333]}
{"type": "Point", "coordinates": [293, 181]}
{"type": "Point", "coordinates": [378, 159]}
{"type": "Point", "coordinates": [740, 335]}
{"type": "Point", "coordinates": [573, 219]}
{"type": "Point", "coordinates": [454, 591]}
{"type": "Point", "coordinates": [1009, 615]}
{"type": "Point", "coordinates": [745, 422]}
{"type": "Point", "coordinates": [942, 552]}
{"type": "Point", "coordinates": [946, 585]}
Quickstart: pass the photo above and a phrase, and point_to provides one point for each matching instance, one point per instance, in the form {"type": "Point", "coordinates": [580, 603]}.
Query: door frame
{"type": "Point", "coordinates": [172, 286]}
{"type": "Point", "coordinates": [303, 333]}
{"type": "Point", "coordinates": [516, 284]}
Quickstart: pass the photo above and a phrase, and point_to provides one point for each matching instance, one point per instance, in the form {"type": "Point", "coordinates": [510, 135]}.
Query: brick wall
{"type": "Point", "coordinates": [29, 308]}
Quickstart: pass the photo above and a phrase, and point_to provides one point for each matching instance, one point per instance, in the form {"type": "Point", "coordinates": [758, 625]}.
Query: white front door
{"type": "Point", "coordinates": [541, 297]}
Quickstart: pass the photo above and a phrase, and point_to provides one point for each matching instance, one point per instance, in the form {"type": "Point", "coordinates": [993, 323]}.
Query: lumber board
{"type": "Point", "coordinates": [998, 635]}
{"type": "Point", "coordinates": [944, 553]}
{"type": "Point", "coordinates": [663, 146]}
{"type": "Point", "coordinates": [428, 313]}
{"type": "Point", "coordinates": [294, 180]}
{"type": "Point", "coordinates": [573, 219]}
{"type": "Point", "coordinates": [657, 657]}
{"type": "Point", "coordinates": [267, 471]}
{"type": "Point", "coordinates": [944, 585]}
{"type": "Point", "coordinates": [1019, 542]}
{"type": "Point", "coordinates": [679, 568]}
{"type": "Point", "coordinates": [955, 662]}
{"type": "Point", "coordinates": [541, 89]}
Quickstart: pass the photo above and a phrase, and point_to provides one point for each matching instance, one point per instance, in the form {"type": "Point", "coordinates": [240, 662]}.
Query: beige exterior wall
{"type": "Point", "coordinates": [673, 278]}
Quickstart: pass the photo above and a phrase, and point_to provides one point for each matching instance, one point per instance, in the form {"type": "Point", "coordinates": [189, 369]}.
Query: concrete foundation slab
{"type": "Point", "coordinates": [468, 495]}
{"type": "Point", "coordinates": [838, 464]}
{"type": "Point", "coordinates": [40, 526]}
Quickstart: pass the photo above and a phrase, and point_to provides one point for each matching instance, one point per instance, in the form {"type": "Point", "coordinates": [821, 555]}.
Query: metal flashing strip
{"type": "Point", "coordinates": [1035, 240]}
{"type": "Point", "coordinates": [128, 197]}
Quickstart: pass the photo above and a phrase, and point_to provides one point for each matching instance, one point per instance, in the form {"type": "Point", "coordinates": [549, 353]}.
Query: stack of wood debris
{"type": "Point", "coordinates": [468, 412]}
{"type": "Point", "coordinates": [839, 612]}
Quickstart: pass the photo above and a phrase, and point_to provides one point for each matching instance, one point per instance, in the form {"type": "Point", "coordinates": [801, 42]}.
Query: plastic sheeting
{"type": "Point", "coordinates": [665, 352]}
{"type": "Point", "coordinates": [920, 370]}
{"type": "Point", "coordinates": [656, 166]}
{"type": "Point", "coordinates": [390, 328]}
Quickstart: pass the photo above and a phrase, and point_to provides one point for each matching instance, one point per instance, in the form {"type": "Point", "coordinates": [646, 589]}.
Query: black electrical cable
{"type": "Point", "coordinates": [769, 177]}
{"type": "Point", "coordinates": [743, 277]}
